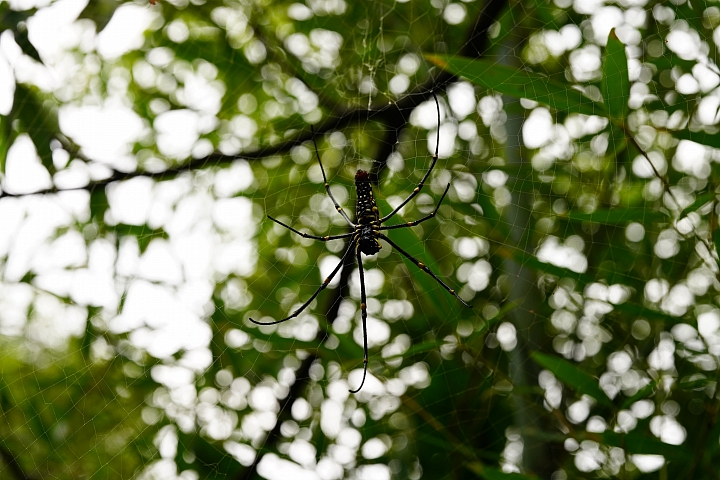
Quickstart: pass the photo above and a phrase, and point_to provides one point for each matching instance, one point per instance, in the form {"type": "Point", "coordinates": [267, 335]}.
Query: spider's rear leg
{"type": "Point", "coordinates": [322, 287]}
{"type": "Point", "coordinates": [424, 268]}
{"type": "Point", "coordinates": [363, 313]}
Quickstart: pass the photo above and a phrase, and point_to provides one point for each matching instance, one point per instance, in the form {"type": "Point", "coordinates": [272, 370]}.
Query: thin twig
{"type": "Point", "coordinates": [666, 188]}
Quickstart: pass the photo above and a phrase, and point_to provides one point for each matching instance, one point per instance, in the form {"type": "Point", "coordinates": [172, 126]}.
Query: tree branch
{"type": "Point", "coordinates": [12, 464]}
{"type": "Point", "coordinates": [302, 375]}
{"type": "Point", "coordinates": [392, 115]}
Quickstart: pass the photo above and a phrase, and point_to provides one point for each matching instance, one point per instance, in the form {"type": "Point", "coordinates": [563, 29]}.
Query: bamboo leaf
{"type": "Point", "coordinates": [100, 12]}
{"type": "Point", "coordinates": [639, 443]}
{"type": "Point", "coordinates": [699, 202]}
{"type": "Point", "coordinates": [616, 79]}
{"type": "Point", "coordinates": [619, 216]}
{"type": "Point", "coordinates": [16, 22]}
{"type": "Point", "coordinates": [409, 241]}
{"type": "Point", "coordinates": [520, 84]}
{"type": "Point", "coordinates": [504, 311]}
{"type": "Point", "coordinates": [420, 348]}
{"type": "Point", "coordinates": [143, 233]}
{"type": "Point", "coordinates": [98, 205]}
{"type": "Point", "coordinates": [634, 310]}
{"type": "Point", "coordinates": [490, 473]}
{"type": "Point", "coordinates": [570, 374]}
{"type": "Point", "coordinates": [37, 120]}
{"type": "Point", "coordinates": [703, 138]}
{"type": "Point", "coordinates": [645, 392]}
{"type": "Point", "coordinates": [7, 137]}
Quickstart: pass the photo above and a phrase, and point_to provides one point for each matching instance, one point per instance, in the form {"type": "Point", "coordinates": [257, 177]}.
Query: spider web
{"type": "Point", "coordinates": [128, 350]}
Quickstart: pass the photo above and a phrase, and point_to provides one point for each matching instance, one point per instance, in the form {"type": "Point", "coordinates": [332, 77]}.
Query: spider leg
{"type": "Point", "coordinates": [314, 237]}
{"type": "Point", "coordinates": [416, 222]}
{"type": "Point", "coordinates": [417, 189]}
{"type": "Point", "coordinates": [424, 268]}
{"type": "Point", "coordinates": [320, 289]}
{"type": "Point", "coordinates": [363, 309]}
{"type": "Point", "coordinates": [327, 185]}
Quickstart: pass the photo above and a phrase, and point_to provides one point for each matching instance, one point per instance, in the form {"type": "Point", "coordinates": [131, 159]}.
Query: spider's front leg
{"type": "Point", "coordinates": [314, 237]}
{"type": "Point", "coordinates": [417, 222]}
{"type": "Point", "coordinates": [420, 185]}
{"type": "Point", "coordinates": [327, 185]}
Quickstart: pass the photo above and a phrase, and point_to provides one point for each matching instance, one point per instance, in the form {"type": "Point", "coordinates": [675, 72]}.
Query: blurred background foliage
{"type": "Point", "coordinates": [580, 142]}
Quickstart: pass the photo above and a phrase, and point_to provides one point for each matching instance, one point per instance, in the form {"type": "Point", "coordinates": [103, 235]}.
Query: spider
{"type": "Point", "coordinates": [364, 237]}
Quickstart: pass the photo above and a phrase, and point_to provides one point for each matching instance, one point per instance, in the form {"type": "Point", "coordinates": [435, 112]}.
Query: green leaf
{"type": "Point", "coordinates": [7, 137]}
{"type": "Point", "coordinates": [703, 138]}
{"type": "Point", "coordinates": [616, 79]}
{"type": "Point", "coordinates": [490, 473]}
{"type": "Point", "coordinates": [16, 22]}
{"type": "Point", "coordinates": [570, 374]}
{"type": "Point", "coordinates": [532, 262]}
{"type": "Point", "coordinates": [639, 443]}
{"type": "Point", "coordinates": [23, 40]}
{"type": "Point", "coordinates": [143, 233]}
{"type": "Point", "coordinates": [519, 83]}
{"type": "Point", "coordinates": [98, 205]}
{"type": "Point", "coordinates": [619, 216]}
{"type": "Point", "coordinates": [504, 311]}
{"type": "Point", "coordinates": [100, 12]}
{"type": "Point", "coordinates": [406, 238]}
{"type": "Point", "coordinates": [699, 202]}
{"type": "Point", "coordinates": [420, 348]}
{"type": "Point", "coordinates": [618, 145]}
{"type": "Point", "coordinates": [89, 334]}
{"type": "Point", "coordinates": [645, 392]}
{"type": "Point", "coordinates": [634, 310]}
{"type": "Point", "coordinates": [37, 120]}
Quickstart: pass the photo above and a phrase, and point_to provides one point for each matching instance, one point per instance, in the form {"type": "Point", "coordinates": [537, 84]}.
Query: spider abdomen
{"type": "Point", "coordinates": [368, 217]}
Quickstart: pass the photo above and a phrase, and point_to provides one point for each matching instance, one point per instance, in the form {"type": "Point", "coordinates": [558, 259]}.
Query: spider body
{"type": "Point", "coordinates": [368, 216]}
{"type": "Point", "coordinates": [365, 238]}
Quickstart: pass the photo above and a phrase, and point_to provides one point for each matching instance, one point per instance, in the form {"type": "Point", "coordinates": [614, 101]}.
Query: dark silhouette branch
{"type": "Point", "coordinates": [393, 115]}
{"type": "Point", "coordinates": [302, 375]}
{"type": "Point", "coordinates": [12, 464]}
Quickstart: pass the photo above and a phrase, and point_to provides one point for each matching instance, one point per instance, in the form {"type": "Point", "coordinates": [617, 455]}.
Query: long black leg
{"type": "Point", "coordinates": [320, 289]}
{"type": "Point", "coordinates": [416, 222]}
{"type": "Point", "coordinates": [327, 185]}
{"type": "Point", "coordinates": [314, 237]}
{"type": "Point", "coordinates": [423, 267]}
{"type": "Point", "coordinates": [422, 182]}
{"type": "Point", "coordinates": [363, 310]}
